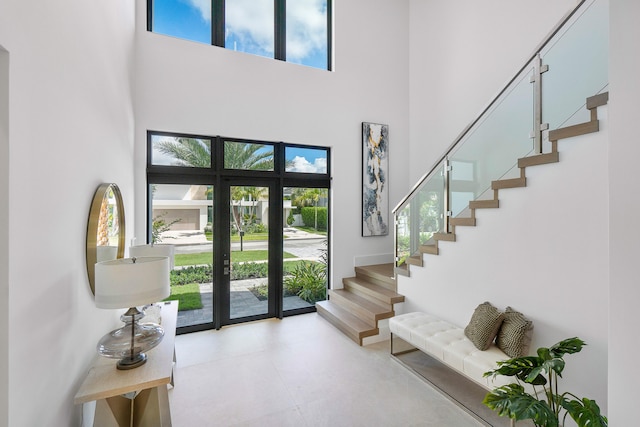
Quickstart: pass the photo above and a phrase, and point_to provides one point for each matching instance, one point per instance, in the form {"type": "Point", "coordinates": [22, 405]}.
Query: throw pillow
{"type": "Point", "coordinates": [515, 333]}
{"type": "Point", "coordinates": [484, 325]}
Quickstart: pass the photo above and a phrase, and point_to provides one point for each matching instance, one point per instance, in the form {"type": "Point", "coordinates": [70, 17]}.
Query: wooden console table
{"type": "Point", "coordinates": [136, 397]}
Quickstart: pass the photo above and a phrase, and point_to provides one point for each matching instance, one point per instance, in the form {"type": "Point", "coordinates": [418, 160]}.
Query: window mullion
{"type": "Point", "coordinates": [280, 29]}
{"type": "Point", "coordinates": [217, 22]}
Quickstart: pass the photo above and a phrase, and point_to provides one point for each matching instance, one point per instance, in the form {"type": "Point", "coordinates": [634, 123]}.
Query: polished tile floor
{"type": "Point", "coordinates": [299, 371]}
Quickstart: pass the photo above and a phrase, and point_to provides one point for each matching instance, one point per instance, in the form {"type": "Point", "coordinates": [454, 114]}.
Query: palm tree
{"type": "Point", "coordinates": [197, 153]}
{"type": "Point", "coordinates": [243, 155]}
{"type": "Point", "coordinates": [187, 151]}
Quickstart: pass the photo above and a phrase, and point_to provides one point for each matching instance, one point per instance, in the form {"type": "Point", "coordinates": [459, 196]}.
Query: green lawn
{"type": "Point", "coordinates": [200, 258]}
{"type": "Point", "coordinates": [187, 295]}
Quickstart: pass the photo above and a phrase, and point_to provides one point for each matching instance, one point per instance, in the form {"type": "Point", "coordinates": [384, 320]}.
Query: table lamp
{"type": "Point", "coordinates": [157, 249]}
{"type": "Point", "coordinates": [131, 282]}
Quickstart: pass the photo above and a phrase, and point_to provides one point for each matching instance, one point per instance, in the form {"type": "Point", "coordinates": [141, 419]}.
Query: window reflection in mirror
{"type": "Point", "coordinates": [105, 229]}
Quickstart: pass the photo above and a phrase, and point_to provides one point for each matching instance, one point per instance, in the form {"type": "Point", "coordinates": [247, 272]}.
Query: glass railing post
{"type": "Point", "coordinates": [446, 212]}
{"type": "Point", "coordinates": [538, 126]}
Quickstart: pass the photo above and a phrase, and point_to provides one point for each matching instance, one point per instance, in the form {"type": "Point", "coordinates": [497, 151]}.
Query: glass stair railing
{"type": "Point", "coordinates": [548, 92]}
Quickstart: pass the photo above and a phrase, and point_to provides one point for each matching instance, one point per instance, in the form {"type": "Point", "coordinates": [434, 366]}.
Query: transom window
{"type": "Point", "coordinates": [296, 31]}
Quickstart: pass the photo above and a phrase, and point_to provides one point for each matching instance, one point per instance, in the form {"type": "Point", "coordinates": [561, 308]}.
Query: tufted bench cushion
{"type": "Point", "coordinates": [448, 343]}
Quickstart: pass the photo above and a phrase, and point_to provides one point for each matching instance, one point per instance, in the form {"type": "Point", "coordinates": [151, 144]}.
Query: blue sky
{"type": "Point", "coordinates": [307, 160]}
{"type": "Point", "coordinates": [249, 26]}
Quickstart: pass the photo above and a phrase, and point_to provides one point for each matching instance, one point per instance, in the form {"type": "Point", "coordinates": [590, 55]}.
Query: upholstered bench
{"type": "Point", "coordinates": [451, 345]}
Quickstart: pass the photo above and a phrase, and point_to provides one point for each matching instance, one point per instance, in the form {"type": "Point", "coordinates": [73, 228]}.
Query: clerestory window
{"type": "Point", "coordinates": [297, 31]}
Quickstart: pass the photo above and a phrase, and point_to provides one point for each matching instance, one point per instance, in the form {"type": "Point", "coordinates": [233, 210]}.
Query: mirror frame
{"type": "Point", "coordinates": [92, 228]}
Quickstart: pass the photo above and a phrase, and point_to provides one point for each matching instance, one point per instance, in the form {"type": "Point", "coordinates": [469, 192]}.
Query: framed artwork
{"type": "Point", "coordinates": [375, 174]}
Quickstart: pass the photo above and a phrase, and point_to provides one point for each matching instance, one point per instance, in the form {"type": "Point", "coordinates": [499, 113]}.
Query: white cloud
{"type": "Point", "coordinates": [251, 21]}
{"type": "Point", "coordinates": [306, 27]}
{"type": "Point", "coordinates": [203, 6]}
{"type": "Point", "coordinates": [301, 164]}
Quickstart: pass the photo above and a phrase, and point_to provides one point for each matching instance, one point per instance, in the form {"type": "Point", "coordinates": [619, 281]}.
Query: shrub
{"type": "Point", "coordinates": [255, 228]}
{"type": "Point", "coordinates": [192, 274]}
{"type": "Point", "coordinates": [309, 217]}
{"type": "Point", "coordinates": [310, 278]}
{"type": "Point", "coordinates": [248, 270]}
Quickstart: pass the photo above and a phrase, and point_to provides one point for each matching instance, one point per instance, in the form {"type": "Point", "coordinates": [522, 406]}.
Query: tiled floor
{"type": "Point", "coordinates": [299, 371]}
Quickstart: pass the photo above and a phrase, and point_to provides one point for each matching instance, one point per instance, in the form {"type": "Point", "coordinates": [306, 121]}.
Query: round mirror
{"type": "Point", "coordinates": [105, 229]}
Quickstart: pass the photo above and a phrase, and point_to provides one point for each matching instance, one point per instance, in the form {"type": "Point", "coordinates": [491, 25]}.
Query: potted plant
{"type": "Point", "coordinates": [546, 407]}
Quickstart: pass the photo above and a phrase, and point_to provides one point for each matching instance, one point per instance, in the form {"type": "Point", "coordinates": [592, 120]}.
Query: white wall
{"type": "Point", "coordinates": [70, 128]}
{"type": "Point", "coordinates": [4, 236]}
{"type": "Point", "coordinates": [462, 54]}
{"type": "Point", "coordinates": [624, 206]}
{"type": "Point", "coordinates": [189, 87]}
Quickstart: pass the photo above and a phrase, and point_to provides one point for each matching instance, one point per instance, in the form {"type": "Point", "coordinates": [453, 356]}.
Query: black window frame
{"type": "Point", "coordinates": [280, 27]}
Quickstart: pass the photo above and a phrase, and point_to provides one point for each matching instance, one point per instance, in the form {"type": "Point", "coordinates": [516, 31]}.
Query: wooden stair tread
{"type": "Point", "coordinates": [597, 100]}
{"type": "Point", "coordinates": [484, 204]}
{"type": "Point", "coordinates": [509, 183]}
{"type": "Point", "coordinates": [352, 326]}
{"type": "Point", "coordinates": [376, 291]}
{"type": "Point", "coordinates": [539, 159]}
{"type": "Point", "coordinates": [377, 311]}
{"type": "Point", "coordinates": [470, 222]}
{"type": "Point", "coordinates": [575, 130]}
{"type": "Point", "coordinates": [429, 249]}
{"type": "Point", "coordinates": [447, 237]}
{"type": "Point", "coordinates": [415, 260]}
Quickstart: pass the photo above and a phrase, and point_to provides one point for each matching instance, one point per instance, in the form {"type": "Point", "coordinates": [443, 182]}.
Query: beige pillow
{"type": "Point", "coordinates": [515, 333]}
{"type": "Point", "coordinates": [484, 325]}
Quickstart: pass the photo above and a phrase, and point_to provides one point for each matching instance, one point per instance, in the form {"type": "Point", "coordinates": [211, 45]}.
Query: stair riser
{"type": "Point", "coordinates": [338, 324]}
{"type": "Point", "coordinates": [359, 311]}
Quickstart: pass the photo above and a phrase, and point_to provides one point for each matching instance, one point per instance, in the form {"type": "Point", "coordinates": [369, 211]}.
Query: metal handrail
{"type": "Point", "coordinates": [455, 143]}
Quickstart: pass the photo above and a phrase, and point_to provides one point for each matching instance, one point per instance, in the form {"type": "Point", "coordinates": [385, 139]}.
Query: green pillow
{"type": "Point", "coordinates": [515, 333]}
{"type": "Point", "coordinates": [484, 325]}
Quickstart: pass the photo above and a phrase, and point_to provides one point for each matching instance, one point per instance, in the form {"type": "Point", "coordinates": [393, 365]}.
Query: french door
{"type": "Point", "coordinates": [250, 251]}
{"type": "Point", "coordinates": [249, 222]}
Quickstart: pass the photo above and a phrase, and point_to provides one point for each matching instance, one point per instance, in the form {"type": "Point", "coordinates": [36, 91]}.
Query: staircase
{"type": "Point", "coordinates": [364, 300]}
{"type": "Point", "coordinates": [540, 159]}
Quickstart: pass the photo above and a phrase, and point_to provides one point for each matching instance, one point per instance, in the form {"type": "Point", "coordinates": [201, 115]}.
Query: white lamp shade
{"type": "Point", "coordinates": [154, 250]}
{"type": "Point", "coordinates": [123, 283]}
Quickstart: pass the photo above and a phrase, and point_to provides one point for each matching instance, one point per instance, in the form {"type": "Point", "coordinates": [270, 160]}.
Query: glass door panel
{"type": "Point", "coordinates": [305, 211]}
{"type": "Point", "coordinates": [182, 215]}
{"type": "Point", "coordinates": [249, 288]}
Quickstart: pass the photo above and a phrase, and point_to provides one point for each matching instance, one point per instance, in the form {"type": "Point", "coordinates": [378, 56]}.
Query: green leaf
{"type": "Point", "coordinates": [567, 346]}
{"type": "Point", "coordinates": [585, 413]}
{"type": "Point", "coordinates": [521, 368]}
{"type": "Point", "coordinates": [556, 365]}
{"type": "Point", "coordinates": [512, 401]}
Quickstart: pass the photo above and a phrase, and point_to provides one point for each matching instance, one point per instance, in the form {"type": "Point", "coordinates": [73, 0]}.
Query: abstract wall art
{"type": "Point", "coordinates": [375, 175]}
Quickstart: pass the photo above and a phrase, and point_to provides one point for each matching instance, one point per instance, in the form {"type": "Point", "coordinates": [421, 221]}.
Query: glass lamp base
{"type": "Point", "coordinates": [129, 342]}
{"type": "Point", "coordinates": [130, 363]}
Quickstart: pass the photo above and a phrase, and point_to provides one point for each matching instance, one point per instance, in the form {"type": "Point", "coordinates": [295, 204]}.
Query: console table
{"type": "Point", "coordinates": [136, 397]}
